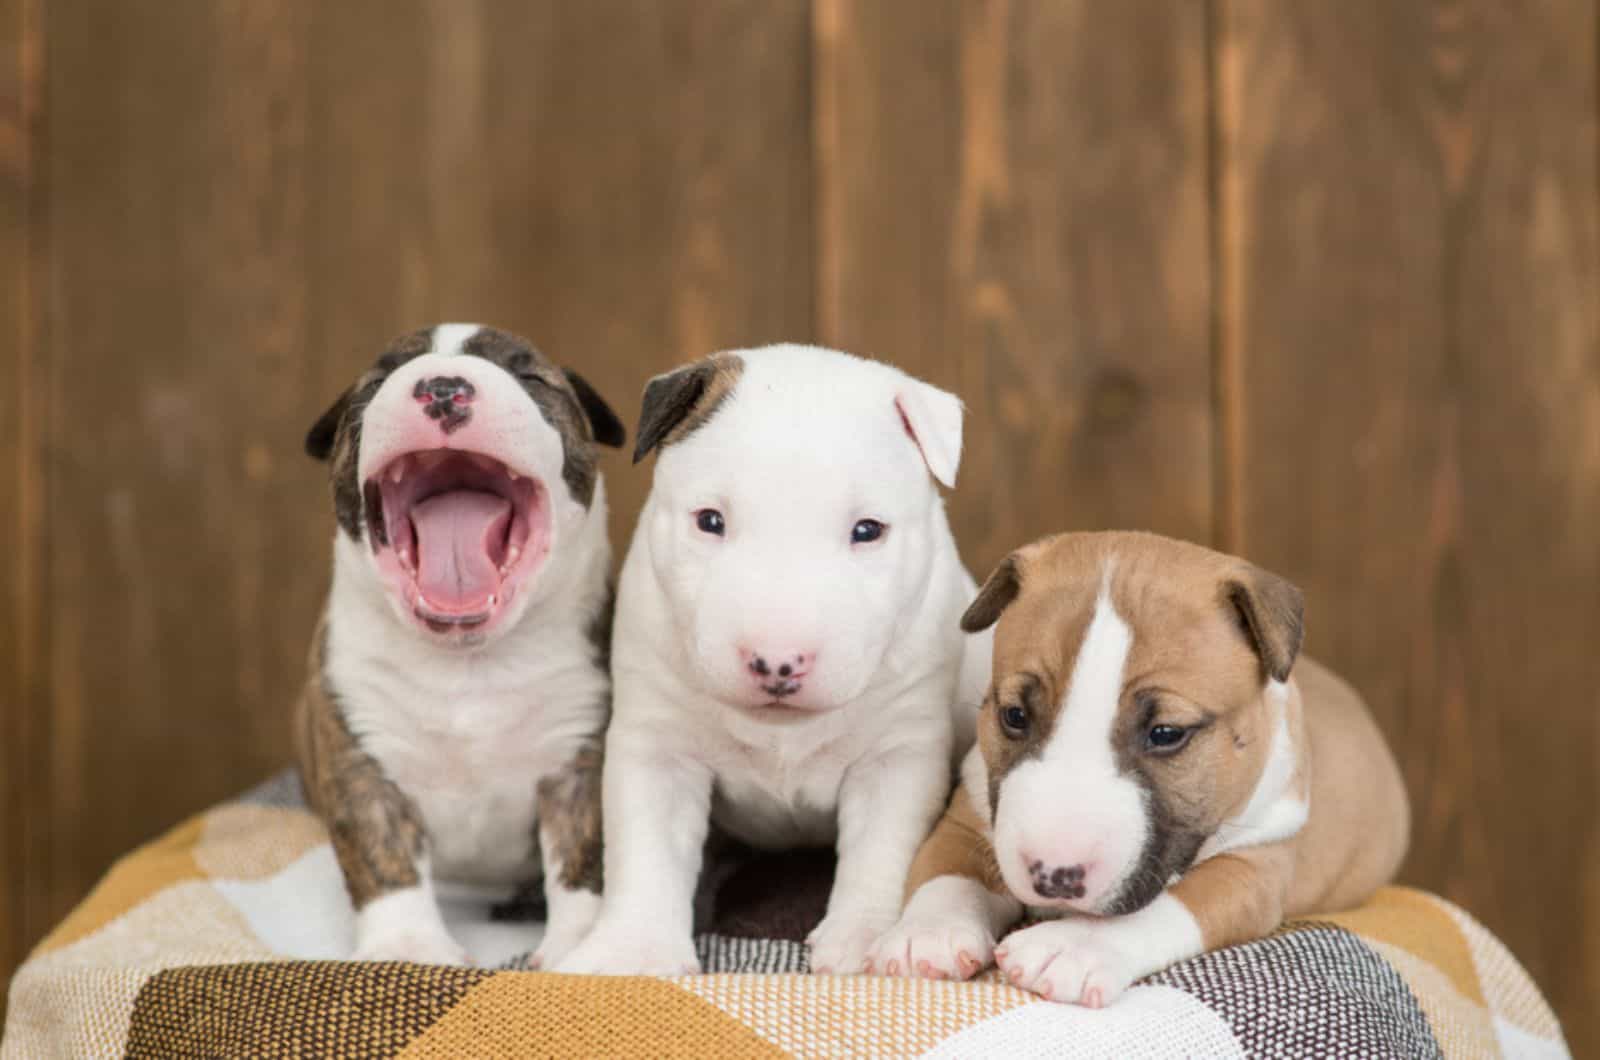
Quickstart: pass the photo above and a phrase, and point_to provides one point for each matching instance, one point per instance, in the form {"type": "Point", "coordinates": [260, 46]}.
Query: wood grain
{"type": "Point", "coordinates": [24, 409]}
{"type": "Point", "coordinates": [178, 574]}
{"type": "Point", "coordinates": [627, 185]}
{"type": "Point", "coordinates": [1409, 234]}
{"type": "Point", "coordinates": [1013, 204]}
{"type": "Point", "coordinates": [249, 202]}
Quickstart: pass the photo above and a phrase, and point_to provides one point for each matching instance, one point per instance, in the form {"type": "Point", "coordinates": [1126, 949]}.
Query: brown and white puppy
{"type": "Point", "coordinates": [1154, 770]}
{"type": "Point", "coordinates": [451, 726]}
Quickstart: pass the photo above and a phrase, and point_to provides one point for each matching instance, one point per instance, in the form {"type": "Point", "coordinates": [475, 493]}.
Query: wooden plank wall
{"type": "Point", "coordinates": [1316, 282]}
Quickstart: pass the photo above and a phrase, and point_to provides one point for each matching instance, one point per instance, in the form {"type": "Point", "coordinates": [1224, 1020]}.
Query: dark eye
{"type": "Point", "coordinates": [1166, 738]}
{"type": "Point", "coordinates": [1014, 721]}
{"type": "Point", "coordinates": [709, 520]}
{"type": "Point", "coordinates": [866, 530]}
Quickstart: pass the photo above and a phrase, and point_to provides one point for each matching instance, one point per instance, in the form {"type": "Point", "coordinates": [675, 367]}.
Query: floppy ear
{"type": "Point", "coordinates": [994, 597]}
{"type": "Point", "coordinates": [321, 436]}
{"type": "Point", "coordinates": [608, 430]}
{"type": "Point", "coordinates": [933, 419]}
{"type": "Point", "coordinates": [671, 399]}
{"type": "Point", "coordinates": [1272, 611]}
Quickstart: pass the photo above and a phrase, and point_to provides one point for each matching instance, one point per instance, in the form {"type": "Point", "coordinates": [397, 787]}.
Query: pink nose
{"type": "Point", "coordinates": [779, 673]}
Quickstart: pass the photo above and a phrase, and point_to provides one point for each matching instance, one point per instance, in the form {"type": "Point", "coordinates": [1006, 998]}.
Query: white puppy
{"type": "Point", "coordinates": [788, 660]}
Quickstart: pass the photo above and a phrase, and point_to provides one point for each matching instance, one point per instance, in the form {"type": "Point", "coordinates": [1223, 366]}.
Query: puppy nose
{"type": "Point", "coordinates": [1056, 881]}
{"type": "Point", "coordinates": [777, 673]}
{"type": "Point", "coordinates": [445, 399]}
{"type": "Point", "coordinates": [777, 664]}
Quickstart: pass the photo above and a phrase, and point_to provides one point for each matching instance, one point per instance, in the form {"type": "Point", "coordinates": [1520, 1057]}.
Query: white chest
{"type": "Point", "coordinates": [780, 791]}
{"type": "Point", "coordinates": [468, 745]}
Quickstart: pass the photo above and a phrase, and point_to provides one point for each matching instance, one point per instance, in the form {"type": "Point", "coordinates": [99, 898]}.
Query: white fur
{"type": "Point", "coordinates": [947, 931]}
{"type": "Point", "coordinates": [449, 338]}
{"type": "Point", "coordinates": [405, 925]}
{"type": "Point", "coordinates": [467, 732]}
{"type": "Point", "coordinates": [1071, 805]}
{"type": "Point", "coordinates": [1276, 810]}
{"type": "Point", "coordinates": [1092, 960]}
{"type": "Point", "coordinates": [809, 442]}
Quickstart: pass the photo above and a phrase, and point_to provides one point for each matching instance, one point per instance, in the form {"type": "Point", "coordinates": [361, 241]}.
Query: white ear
{"type": "Point", "coordinates": [933, 419]}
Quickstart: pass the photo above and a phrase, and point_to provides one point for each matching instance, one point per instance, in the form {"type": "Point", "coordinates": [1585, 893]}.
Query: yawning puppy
{"type": "Point", "coordinates": [1153, 768]}
{"type": "Point", "coordinates": [787, 652]}
{"type": "Point", "coordinates": [451, 725]}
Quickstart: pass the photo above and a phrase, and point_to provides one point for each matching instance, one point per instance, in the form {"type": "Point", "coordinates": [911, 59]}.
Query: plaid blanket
{"type": "Point", "coordinates": [226, 938]}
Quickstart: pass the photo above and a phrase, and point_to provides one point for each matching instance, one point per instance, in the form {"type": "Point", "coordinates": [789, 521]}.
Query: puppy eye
{"type": "Point", "coordinates": [866, 530]}
{"type": "Point", "coordinates": [1014, 721]}
{"type": "Point", "coordinates": [709, 521]}
{"type": "Point", "coordinates": [1166, 739]}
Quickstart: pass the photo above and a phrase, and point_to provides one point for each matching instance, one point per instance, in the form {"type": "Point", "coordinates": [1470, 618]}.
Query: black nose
{"type": "Point", "coordinates": [1057, 881]}
{"type": "Point", "coordinates": [445, 399]}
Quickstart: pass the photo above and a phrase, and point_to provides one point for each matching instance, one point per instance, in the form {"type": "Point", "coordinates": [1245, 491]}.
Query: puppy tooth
{"type": "Point", "coordinates": [512, 475]}
{"type": "Point", "coordinates": [397, 470]}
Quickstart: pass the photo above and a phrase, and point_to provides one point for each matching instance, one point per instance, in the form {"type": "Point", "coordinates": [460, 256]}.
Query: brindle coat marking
{"type": "Point", "coordinates": [569, 819]}
{"type": "Point", "coordinates": [682, 401]}
{"type": "Point", "coordinates": [377, 833]}
{"type": "Point", "coordinates": [565, 400]}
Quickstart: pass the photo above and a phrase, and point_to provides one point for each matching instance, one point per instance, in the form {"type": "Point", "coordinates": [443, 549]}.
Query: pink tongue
{"type": "Point", "coordinates": [461, 539]}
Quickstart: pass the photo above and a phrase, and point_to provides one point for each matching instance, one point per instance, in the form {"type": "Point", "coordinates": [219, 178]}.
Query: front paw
{"type": "Point", "coordinates": [566, 929]}
{"type": "Point", "coordinates": [1074, 961]}
{"type": "Point", "coordinates": [943, 948]}
{"type": "Point", "coordinates": [840, 945]}
{"type": "Point", "coordinates": [417, 944]}
{"type": "Point", "coordinates": [620, 949]}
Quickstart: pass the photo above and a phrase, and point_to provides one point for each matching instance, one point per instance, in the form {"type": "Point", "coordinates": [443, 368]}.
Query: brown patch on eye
{"type": "Point", "coordinates": [570, 821]}
{"type": "Point", "coordinates": [346, 451]}
{"type": "Point", "coordinates": [1187, 643]}
{"type": "Point", "coordinates": [376, 831]}
{"type": "Point", "coordinates": [556, 399]}
{"type": "Point", "coordinates": [677, 404]}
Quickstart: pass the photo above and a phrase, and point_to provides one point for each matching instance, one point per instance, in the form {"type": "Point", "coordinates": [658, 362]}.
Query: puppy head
{"type": "Point", "coordinates": [794, 518]}
{"type": "Point", "coordinates": [462, 458]}
{"type": "Point", "coordinates": [1134, 700]}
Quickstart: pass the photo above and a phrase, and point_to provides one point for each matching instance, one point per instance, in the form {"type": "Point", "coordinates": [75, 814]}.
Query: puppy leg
{"type": "Point", "coordinates": [570, 848]}
{"type": "Point", "coordinates": [1231, 898]}
{"type": "Point", "coordinates": [887, 804]}
{"type": "Point", "coordinates": [657, 811]}
{"type": "Point", "coordinates": [378, 838]}
{"type": "Point", "coordinates": [958, 904]}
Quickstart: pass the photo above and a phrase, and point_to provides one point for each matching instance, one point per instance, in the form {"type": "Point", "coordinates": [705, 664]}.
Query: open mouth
{"type": "Point", "coordinates": [458, 532]}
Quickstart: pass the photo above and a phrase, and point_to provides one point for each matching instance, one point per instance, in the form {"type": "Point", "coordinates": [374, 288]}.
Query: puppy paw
{"type": "Point", "coordinates": [945, 948]}
{"type": "Point", "coordinates": [840, 945]}
{"type": "Point", "coordinates": [566, 929]}
{"type": "Point", "coordinates": [1079, 962]}
{"type": "Point", "coordinates": [618, 949]}
{"type": "Point", "coordinates": [416, 945]}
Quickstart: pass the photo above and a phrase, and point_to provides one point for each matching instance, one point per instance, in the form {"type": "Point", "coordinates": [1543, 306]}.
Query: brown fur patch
{"type": "Point", "coordinates": [565, 401]}
{"type": "Point", "coordinates": [682, 401]}
{"type": "Point", "coordinates": [958, 846]}
{"type": "Point", "coordinates": [1208, 628]}
{"type": "Point", "coordinates": [1189, 665]}
{"type": "Point", "coordinates": [559, 402]}
{"type": "Point", "coordinates": [377, 832]}
{"type": "Point", "coordinates": [570, 821]}
{"type": "Point", "coordinates": [336, 436]}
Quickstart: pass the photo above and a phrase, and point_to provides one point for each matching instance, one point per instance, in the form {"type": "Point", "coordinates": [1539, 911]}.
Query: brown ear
{"type": "Point", "coordinates": [994, 597]}
{"type": "Point", "coordinates": [683, 399]}
{"type": "Point", "coordinates": [1272, 611]}
{"type": "Point", "coordinates": [323, 433]}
